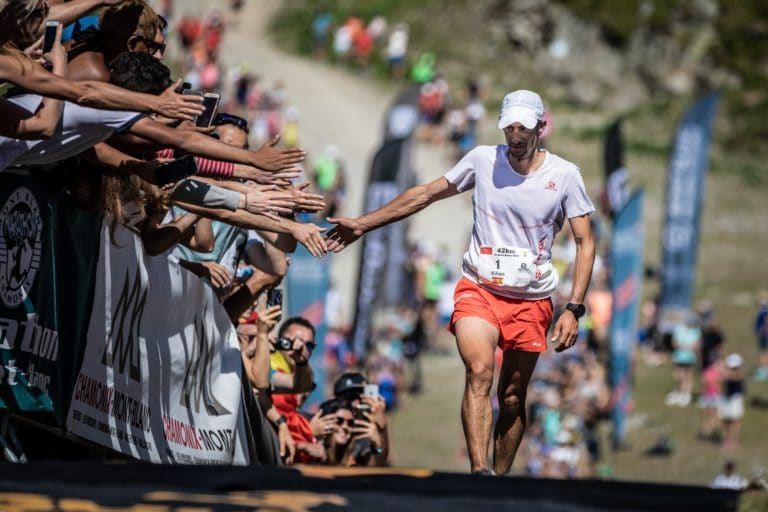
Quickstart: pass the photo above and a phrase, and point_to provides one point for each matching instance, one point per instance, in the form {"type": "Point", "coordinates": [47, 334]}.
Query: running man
{"type": "Point", "coordinates": [522, 196]}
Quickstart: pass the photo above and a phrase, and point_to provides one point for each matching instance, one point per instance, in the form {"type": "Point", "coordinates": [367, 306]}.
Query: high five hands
{"type": "Point", "coordinates": [343, 234]}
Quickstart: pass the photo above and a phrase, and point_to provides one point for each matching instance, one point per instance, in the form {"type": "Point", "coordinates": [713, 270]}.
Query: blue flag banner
{"type": "Point", "coordinates": [685, 191]}
{"type": "Point", "coordinates": [627, 247]}
{"type": "Point", "coordinates": [306, 286]}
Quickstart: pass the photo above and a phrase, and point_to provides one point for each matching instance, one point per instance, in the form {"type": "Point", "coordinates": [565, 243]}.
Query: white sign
{"type": "Point", "coordinates": [160, 379]}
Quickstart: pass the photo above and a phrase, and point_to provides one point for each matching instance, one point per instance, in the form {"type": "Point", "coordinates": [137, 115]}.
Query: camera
{"type": "Point", "coordinates": [275, 298]}
{"type": "Point", "coordinates": [283, 344]}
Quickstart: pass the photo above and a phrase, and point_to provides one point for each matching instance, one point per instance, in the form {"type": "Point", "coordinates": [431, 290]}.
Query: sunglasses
{"type": "Point", "coordinates": [153, 47]}
{"type": "Point", "coordinates": [340, 421]}
{"type": "Point", "coordinates": [224, 118]}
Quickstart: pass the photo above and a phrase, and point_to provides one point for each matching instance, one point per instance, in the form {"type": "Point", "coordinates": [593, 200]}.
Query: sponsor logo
{"type": "Point", "coordinates": [486, 250]}
{"type": "Point", "coordinates": [123, 340]}
{"type": "Point", "coordinates": [551, 185]}
{"type": "Point", "coordinates": [197, 385]}
{"type": "Point", "coordinates": [20, 246]}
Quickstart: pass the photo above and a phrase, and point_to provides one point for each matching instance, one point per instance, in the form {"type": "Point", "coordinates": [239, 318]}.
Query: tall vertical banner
{"type": "Point", "coordinates": [382, 276]}
{"type": "Point", "coordinates": [685, 192]}
{"type": "Point", "coordinates": [627, 246]}
{"type": "Point", "coordinates": [160, 378]}
{"type": "Point", "coordinates": [380, 247]}
{"type": "Point", "coordinates": [48, 252]}
{"type": "Point", "coordinates": [616, 191]}
{"type": "Point", "coordinates": [307, 284]}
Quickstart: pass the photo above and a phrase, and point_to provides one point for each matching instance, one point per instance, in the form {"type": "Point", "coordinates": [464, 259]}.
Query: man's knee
{"type": "Point", "coordinates": [480, 377]}
{"type": "Point", "coordinates": [512, 401]}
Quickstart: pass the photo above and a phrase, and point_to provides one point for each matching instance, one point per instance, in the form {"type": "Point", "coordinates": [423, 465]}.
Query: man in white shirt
{"type": "Point", "coordinates": [522, 196]}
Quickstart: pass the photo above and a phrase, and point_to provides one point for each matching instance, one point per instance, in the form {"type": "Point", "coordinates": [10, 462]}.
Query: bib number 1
{"type": "Point", "coordinates": [506, 266]}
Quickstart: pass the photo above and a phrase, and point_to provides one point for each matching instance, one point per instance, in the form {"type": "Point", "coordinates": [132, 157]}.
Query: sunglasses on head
{"type": "Point", "coordinates": [224, 118]}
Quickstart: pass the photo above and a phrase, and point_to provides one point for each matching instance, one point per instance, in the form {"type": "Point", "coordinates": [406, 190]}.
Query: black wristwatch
{"type": "Point", "coordinates": [578, 310]}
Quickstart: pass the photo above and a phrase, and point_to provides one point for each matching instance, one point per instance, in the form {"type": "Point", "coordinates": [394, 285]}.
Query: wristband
{"type": "Point", "coordinates": [280, 421]}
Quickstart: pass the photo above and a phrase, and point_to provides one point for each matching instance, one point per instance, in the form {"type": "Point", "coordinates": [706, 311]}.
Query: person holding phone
{"type": "Point", "coordinates": [22, 23]}
{"type": "Point", "coordinates": [523, 194]}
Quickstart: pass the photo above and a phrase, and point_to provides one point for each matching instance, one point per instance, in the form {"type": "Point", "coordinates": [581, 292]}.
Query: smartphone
{"type": "Point", "coordinates": [181, 168]}
{"type": "Point", "coordinates": [192, 92]}
{"type": "Point", "coordinates": [275, 298]}
{"type": "Point", "coordinates": [51, 27]}
{"type": "Point", "coordinates": [211, 106]}
{"type": "Point", "coordinates": [371, 390]}
{"type": "Point", "coordinates": [360, 410]}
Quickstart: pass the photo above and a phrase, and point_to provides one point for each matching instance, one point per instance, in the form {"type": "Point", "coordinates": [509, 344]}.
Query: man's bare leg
{"type": "Point", "coordinates": [476, 340]}
{"type": "Point", "coordinates": [514, 376]}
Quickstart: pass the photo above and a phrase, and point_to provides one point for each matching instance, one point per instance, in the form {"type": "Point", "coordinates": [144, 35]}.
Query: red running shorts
{"type": "Point", "coordinates": [522, 324]}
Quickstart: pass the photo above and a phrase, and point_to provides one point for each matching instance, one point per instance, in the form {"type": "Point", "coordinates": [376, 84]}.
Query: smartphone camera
{"type": "Point", "coordinates": [275, 298]}
{"type": "Point", "coordinates": [51, 28]}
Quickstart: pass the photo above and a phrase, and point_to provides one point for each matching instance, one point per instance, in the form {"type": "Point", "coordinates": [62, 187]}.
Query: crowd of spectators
{"type": "Point", "coordinates": [99, 113]}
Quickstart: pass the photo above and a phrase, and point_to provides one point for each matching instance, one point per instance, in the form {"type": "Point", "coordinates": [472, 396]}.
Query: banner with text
{"type": "Point", "coordinates": [685, 193]}
{"type": "Point", "coordinates": [160, 379]}
{"type": "Point", "coordinates": [48, 251]}
{"type": "Point", "coordinates": [627, 248]}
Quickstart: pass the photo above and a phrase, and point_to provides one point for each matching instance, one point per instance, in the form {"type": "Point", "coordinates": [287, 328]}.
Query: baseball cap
{"type": "Point", "coordinates": [350, 381]}
{"type": "Point", "coordinates": [734, 361]}
{"type": "Point", "coordinates": [521, 106]}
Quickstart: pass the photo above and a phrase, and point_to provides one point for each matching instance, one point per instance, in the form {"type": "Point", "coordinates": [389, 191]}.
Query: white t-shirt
{"type": "Point", "coordinates": [516, 218]}
{"type": "Point", "coordinates": [79, 129]}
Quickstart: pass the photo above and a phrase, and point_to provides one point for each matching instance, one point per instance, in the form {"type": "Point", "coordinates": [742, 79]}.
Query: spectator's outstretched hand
{"type": "Point", "coordinates": [310, 236]}
{"type": "Point", "coordinates": [343, 234]}
{"type": "Point", "coordinates": [179, 106]}
{"type": "Point", "coordinates": [272, 159]}
{"type": "Point", "coordinates": [306, 202]}
{"type": "Point", "coordinates": [268, 199]}
{"type": "Point", "coordinates": [218, 274]}
{"type": "Point", "coordinates": [281, 178]}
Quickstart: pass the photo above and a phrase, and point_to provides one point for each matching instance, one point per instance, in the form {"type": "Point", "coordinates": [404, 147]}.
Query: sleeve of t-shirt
{"type": "Point", "coordinates": [463, 173]}
{"type": "Point", "coordinates": [576, 202]}
{"type": "Point", "coordinates": [117, 120]}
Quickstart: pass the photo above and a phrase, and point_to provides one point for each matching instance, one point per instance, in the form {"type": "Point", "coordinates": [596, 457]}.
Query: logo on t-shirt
{"type": "Point", "coordinates": [20, 246]}
{"type": "Point", "coordinates": [551, 185]}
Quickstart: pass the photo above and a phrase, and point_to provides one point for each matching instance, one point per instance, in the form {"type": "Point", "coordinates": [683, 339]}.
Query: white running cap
{"type": "Point", "coordinates": [521, 106]}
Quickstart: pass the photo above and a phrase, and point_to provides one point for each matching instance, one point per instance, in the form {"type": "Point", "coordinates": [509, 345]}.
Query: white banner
{"type": "Point", "coordinates": [160, 379]}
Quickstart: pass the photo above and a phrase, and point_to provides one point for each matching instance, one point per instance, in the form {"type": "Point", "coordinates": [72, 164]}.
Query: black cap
{"type": "Point", "coordinates": [349, 382]}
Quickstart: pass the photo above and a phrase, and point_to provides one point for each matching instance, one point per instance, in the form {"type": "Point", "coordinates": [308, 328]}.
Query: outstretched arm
{"type": "Point", "coordinates": [34, 78]}
{"type": "Point", "coordinates": [267, 157]}
{"type": "Point", "coordinates": [567, 327]}
{"type": "Point", "coordinates": [406, 204]}
{"type": "Point", "coordinates": [70, 12]}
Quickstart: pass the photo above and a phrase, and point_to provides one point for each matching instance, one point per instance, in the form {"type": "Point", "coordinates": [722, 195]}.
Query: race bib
{"type": "Point", "coordinates": [506, 266]}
